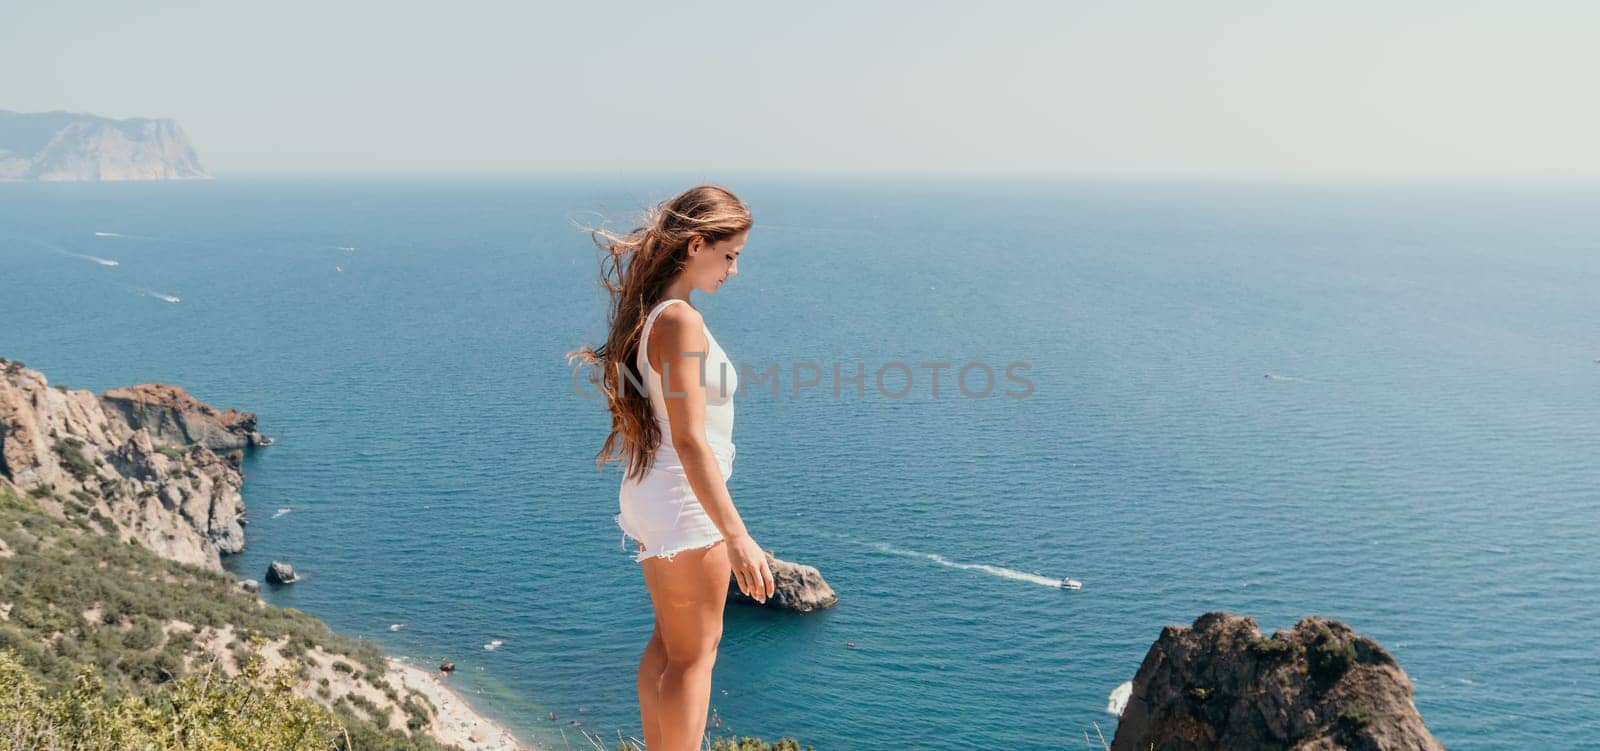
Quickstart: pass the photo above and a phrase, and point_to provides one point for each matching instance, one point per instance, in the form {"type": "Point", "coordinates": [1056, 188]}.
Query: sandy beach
{"type": "Point", "coordinates": [458, 722]}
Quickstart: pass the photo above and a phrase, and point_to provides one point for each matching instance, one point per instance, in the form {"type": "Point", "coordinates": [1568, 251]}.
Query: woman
{"type": "Point", "coordinates": [670, 390]}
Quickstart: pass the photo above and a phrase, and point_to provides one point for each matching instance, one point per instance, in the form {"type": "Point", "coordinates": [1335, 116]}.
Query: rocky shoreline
{"type": "Point", "coordinates": [152, 465]}
{"type": "Point", "coordinates": [1222, 684]}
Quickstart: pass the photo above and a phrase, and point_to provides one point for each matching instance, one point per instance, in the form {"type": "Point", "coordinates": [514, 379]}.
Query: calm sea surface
{"type": "Point", "coordinates": [1373, 403]}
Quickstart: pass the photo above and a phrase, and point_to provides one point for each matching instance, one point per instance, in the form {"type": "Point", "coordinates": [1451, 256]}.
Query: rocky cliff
{"type": "Point", "coordinates": [140, 463]}
{"type": "Point", "coordinates": [62, 146]}
{"type": "Point", "coordinates": [1220, 684]}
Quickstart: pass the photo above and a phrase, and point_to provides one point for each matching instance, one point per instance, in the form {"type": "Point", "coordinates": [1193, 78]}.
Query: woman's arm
{"type": "Point", "coordinates": [678, 349]}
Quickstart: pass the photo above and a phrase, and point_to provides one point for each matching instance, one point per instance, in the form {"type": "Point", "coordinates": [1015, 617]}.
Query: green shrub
{"type": "Point", "coordinates": [172, 452]}
{"type": "Point", "coordinates": [365, 705]}
{"type": "Point", "coordinates": [144, 634]}
{"type": "Point", "coordinates": [1329, 657]}
{"type": "Point", "coordinates": [251, 710]}
{"type": "Point", "coordinates": [1271, 647]}
{"type": "Point", "coordinates": [70, 450]}
{"type": "Point", "coordinates": [1354, 715]}
{"type": "Point", "coordinates": [10, 501]}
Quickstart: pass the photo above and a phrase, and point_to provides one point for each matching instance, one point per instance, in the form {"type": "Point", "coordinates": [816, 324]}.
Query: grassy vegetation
{"type": "Point", "coordinates": [62, 570]}
{"type": "Point", "coordinates": [117, 680]}
{"type": "Point", "coordinates": [1271, 646]}
{"type": "Point", "coordinates": [206, 710]}
{"type": "Point", "coordinates": [172, 452]}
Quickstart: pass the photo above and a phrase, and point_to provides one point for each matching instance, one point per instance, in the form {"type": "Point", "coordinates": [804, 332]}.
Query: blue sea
{"type": "Point", "coordinates": [1372, 402]}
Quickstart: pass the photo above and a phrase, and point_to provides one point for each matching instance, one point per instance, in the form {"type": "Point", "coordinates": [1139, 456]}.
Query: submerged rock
{"type": "Point", "coordinates": [796, 587]}
{"type": "Point", "coordinates": [1220, 684]}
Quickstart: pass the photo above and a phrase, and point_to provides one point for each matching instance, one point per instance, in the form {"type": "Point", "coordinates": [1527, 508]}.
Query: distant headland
{"type": "Point", "coordinates": [74, 146]}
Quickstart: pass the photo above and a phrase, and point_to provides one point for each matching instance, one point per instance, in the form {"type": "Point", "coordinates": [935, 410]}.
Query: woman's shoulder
{"type": "Point", "coordinates": [677, 321]}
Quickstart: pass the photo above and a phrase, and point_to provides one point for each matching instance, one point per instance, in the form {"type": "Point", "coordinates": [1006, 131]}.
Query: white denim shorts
{"type": "Point", "coordinates": [661, 511]}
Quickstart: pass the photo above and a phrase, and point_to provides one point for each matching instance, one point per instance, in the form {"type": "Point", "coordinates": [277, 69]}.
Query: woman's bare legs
{"type": "Point", "coordinates": [651, 665]}
{"type": "Point", "coordinates": [688, 594]}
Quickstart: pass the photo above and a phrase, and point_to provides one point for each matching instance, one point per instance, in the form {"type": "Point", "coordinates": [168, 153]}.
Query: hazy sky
{"type": "Point", "coordinates": [1275, 87]}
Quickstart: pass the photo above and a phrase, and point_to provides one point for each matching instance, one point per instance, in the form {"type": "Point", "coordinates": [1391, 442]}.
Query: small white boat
{"type": "Point", "coordinates": [1070, 583]}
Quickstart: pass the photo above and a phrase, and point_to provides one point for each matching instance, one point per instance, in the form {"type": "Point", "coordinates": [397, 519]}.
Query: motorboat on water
{"type": "Point", "coordinates": [1066, 582]}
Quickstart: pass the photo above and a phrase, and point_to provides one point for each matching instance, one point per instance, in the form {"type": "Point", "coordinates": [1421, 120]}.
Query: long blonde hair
{"type": "Point", "coordinates": [636, 269]}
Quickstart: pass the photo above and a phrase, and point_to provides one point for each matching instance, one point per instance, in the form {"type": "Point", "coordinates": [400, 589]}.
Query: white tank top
{"type": "Point", "coordinates": [721, 379]}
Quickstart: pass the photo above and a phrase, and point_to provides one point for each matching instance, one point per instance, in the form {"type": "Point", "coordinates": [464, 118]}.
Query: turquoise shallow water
{"type": "Point", "coordinates": [1421, 461]}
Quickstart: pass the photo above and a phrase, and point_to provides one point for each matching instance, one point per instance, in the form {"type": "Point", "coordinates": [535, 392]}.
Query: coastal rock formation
{"type": "Point", "coordinates": [69, 146]}
{"type": "Point", "coordinates": [1220, 684]}
{"type": "Point", "coordinates": [138, 462]}
{"type": "Point", "coordinates": [172, 416]}
{"type": "Point", "coordinates": [796, 587]}
{"type": "Point", "coordinates": [281, 573]}
{"type": "Point", "coordinates": [81, 475]}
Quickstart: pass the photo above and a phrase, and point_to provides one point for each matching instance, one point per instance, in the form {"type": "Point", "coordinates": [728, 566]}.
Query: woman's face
{"type": "Point", "coordinates": [711, 264]}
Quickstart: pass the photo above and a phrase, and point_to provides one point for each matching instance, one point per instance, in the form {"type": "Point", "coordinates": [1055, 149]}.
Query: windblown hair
{"type": "Point", "coordinates": [636, 269]}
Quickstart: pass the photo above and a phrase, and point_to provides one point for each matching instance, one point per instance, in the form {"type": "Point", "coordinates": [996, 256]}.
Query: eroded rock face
{"type": "Point", "coordinates": [1220, 684]}
{"type": "Point", "coordinates": [124, 461]}
{"type": "Point", "coordinates": [797, 587]}
{"type": "Point", "coordinates": [174, 417]}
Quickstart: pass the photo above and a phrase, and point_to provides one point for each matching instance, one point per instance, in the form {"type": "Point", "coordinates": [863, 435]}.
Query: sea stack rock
{"type": "Point", "coordinates": [1220, 684]}
{"type": "Point", "coordinates": [796, 587]}
{"type": "Point", "coordinates": [281, 573]}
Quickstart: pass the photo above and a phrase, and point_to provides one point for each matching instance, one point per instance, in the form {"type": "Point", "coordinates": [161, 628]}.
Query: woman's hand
{"type": "Point", "coordinates": [750, 567]}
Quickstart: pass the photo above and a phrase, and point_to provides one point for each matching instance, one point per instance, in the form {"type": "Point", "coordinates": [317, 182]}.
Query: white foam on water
{"type": "Point", "coordinates": [494, 644]}
{"type": "Point", "coordinates": [1118, 700]}
{"type": "Point", "coordinates": [396, 626]}
{"type": "Point", "coordinates": [103, 261]}
{"type": "Point", "coordinates": [281, 512]}
{"type": "Point", "coordinates": [106, 234]}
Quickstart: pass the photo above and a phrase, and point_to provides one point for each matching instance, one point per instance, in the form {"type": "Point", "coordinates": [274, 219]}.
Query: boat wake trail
{"type": "Point", "coordinates": [69, 254]}
{"type": "Point", "coordinates": [1000, 571]}
{"type": "Point", "coordinates": [106, 234]}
